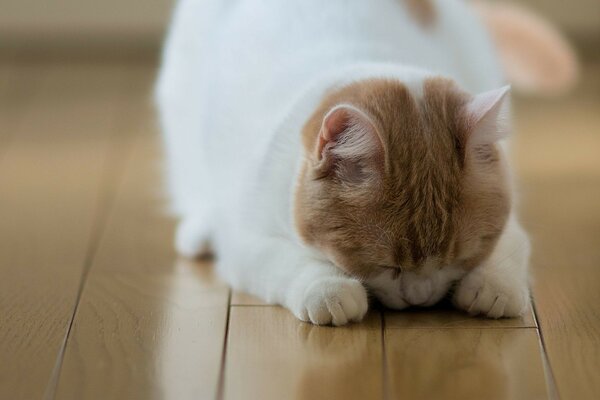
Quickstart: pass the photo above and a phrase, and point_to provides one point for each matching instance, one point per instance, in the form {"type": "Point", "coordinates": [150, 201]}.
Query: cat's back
{"type": "Point", "coordinates": [253, 56]}
{"type": "Point", "coordinates": [250, 58]}
{"type": "Point", "coordinates": [289, 41]}
{"type": "Point", "coordinates": [233, 69]}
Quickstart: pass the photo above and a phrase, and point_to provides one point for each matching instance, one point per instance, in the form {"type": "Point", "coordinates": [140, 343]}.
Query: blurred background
{"type": "Point", "coordinates": [137, 26]}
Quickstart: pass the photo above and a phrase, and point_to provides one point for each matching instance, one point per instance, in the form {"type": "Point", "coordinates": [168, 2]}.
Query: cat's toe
{"type": "Point", "coordinates": [480, 296]}
{"type": "Point", "coordinates": [335, 301]}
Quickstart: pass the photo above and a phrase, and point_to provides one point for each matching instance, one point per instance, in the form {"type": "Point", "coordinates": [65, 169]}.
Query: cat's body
{"type": "Point", "coordinates": [239, 84]}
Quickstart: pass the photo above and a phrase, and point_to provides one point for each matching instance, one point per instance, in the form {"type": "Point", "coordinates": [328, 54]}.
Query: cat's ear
{"type": "Point", "coordinates": [349, 145]}
{"type": "Point", "coordinates": [487, 117]}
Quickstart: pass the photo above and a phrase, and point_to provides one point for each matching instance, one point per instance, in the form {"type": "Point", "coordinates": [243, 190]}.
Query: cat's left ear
{"type": "Point", "coordinates": [349, 145]}
{"type": "Point", "coordinates": [487, 117]}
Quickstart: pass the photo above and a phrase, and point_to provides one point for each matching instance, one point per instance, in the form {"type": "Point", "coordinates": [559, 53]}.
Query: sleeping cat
{"type": "Point", "coordinates": [335, 150]}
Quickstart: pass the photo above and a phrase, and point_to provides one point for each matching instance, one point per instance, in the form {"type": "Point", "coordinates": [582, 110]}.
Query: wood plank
{"type": "Point", "coordinates": [563, 216]}
{"type": "Point", "coordinates": [148, 325]}
{"type": "Point", "coordinates": [559, 160]}
{"type": "Point", "coordinates": [50, 181]}
{"type": "Point", "coordinates": [272, 355]}
{"type": "Point", "coordinates": [464, 364]}
{"type": "Point", "coordinates": [559, 137]}
{"type": "Point", "coordinates": [444, 316]}
{"type": "Point", "coordinates": [244, 299]}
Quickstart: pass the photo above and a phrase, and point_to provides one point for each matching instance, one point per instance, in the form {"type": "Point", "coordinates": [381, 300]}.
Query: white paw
{"type": "Point", "coordinates": [191, 237]}
{"type": "Point", "coordinates": [332, 300]}
{"type": "Point", "coordinates": [492, 295]}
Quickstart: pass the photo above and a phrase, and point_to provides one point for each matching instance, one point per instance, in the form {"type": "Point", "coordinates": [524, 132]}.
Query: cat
{"type": "Point", "coordinates": [332, 151]}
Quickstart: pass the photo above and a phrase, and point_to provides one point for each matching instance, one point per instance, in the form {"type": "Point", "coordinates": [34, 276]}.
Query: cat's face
{"type": "Point", "coordinates": [396, 181]}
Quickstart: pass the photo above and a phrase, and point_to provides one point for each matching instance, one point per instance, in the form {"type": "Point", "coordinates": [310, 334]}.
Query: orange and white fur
{"type": "Point", "coordinates": [336, 150]}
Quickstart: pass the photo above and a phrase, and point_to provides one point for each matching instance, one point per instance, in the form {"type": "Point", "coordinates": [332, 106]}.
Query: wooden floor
{"type": "Point", "coordinates": [94, 304]}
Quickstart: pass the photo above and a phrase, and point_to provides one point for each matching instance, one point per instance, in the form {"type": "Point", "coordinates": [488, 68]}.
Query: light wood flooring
{"type": "Point", "coordinates": [94, 304]}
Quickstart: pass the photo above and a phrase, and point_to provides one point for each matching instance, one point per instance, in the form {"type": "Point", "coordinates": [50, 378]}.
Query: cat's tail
{"type": "Point", "coordinates": [536, 57]}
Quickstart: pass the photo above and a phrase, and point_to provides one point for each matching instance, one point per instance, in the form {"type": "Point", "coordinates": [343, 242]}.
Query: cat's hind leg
{"type": "Point", "coordinates": [193, 235]}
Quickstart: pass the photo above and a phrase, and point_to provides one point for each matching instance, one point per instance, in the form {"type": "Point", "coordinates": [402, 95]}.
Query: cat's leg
{"type": "Point", "coordinates": [499, 287]}
{"type": "Point", "coordinates": [283, 272]}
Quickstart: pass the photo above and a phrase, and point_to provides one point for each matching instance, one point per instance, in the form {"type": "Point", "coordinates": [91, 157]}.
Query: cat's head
{"type": "Point", "coordinates": [403, 180]}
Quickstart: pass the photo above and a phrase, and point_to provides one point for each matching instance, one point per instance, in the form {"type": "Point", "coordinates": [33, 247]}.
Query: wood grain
{"type": "Point", "coordinates": [51, 175]}
{"type": "Point", "coordinates": [464, 364]}
{"type": "Point", "coordinates": [444, 316]}
{"type": "Point", "coordinates": [148, 325]}
{"type": "Point", "coordinates": [272, 355]}
{"type": "Point", "coordinates": [564, 219]}
{"type": "Point", "coordinates": [559, 161]}
{"type": "Point", "coordinates": [80, 191]}
{"type": "Point", "coordinates": [245, 299]}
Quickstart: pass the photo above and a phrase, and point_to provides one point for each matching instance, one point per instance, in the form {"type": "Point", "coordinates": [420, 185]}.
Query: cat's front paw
{"type": "Point", "coordinates": [492, 295]}
{"type": "Point", "coordinates": [332, 300]}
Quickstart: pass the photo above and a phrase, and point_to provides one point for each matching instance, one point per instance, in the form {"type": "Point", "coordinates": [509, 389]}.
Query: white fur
{"type": "Point", "coordinates": [238, 81]}
{"type": "Point", "coordinates": [424, 288]}
{"type": "Point", "coordinates": [499, 287]}
{"type": "Point", "coordinates": [490, 112]}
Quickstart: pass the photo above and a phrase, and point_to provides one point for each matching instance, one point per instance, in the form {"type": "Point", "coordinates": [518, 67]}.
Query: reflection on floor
{"type": "Point", "coordinates": [94, 304]}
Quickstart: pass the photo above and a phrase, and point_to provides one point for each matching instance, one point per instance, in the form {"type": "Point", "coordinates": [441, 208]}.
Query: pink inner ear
{"type": "Point", "coordinates": [487, 116]}
{"type": "Point", "coordinates": [334, 124]}
{"type": "Point", "coordinates": [349, 140]}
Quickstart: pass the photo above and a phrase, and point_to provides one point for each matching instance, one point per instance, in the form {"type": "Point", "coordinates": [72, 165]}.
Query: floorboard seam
{"type": "Point", "coordinates": [384, 372]}
{"type": "Point", "coordinates": [550, 380]}
{"type": "Point", "coordinates": [221, 383]}
{"type": "Point", "coordinates": [112, 174]}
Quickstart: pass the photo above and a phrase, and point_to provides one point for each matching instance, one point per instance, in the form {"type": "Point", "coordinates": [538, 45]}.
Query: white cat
{"type": "Point", "coordinates": [325, 152]}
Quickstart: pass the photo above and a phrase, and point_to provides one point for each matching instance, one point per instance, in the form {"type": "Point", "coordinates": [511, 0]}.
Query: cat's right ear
{"type": "Point", "coordinates": [487, 117]}
{"type": "Point", "coordinates": [349, 145]}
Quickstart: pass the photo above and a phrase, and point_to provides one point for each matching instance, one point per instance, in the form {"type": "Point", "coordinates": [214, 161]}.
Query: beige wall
{"type": "Point", "coordinates": [577, 17]}
{"type": "Point", "coordinates": [142, 22]}
{"type": "Point", "coordinates": [80, 21]}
